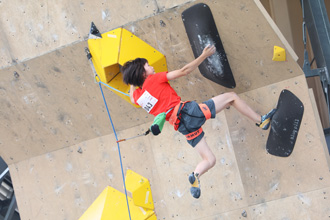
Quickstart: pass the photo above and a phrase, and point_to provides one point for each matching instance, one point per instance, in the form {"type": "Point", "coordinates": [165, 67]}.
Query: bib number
{"type": "Point", "coordinates": [147, 101]}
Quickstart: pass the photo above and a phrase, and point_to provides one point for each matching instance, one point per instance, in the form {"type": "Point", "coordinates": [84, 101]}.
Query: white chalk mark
{"type": "Point", "coordinates": [274, 187]}
{"type": "Point", "coordinates": [68, 167]}
{"type": "Point", "coordinates": [30, 98]}
{"type": "Point", "coordinates": [236, 195]}
{"type": "Point", "coordinates": [79, 201]}
{"type": "Point", "coordinates": [59, 188]}
{"type": "Point", "coordinates": [105, 14]}
{"type": "Point", "coordinates": [228, 142]}
{"type": "Point", "coordinates": [143, 211]}
{"type": "Point", "coordinates": [147, 197]}
{"type": "Point", "coordinates": [41, 27]}
{"type": "Point", "coordinates": [215, 65]}
{"type": "Point", "coordinates": [223, 160]}
{"type": "Point", "coordinates": [87, 178]}
{"type": "Point", "coordinates": [55, 37]}
{"type": "Point", "coordinates": [178, 193]}
{"type": "Point", "coordinates": [304, 199]}
{"type": "Point", "coordinates": [110, 175]}
{"type": "Point", "coordinates": [112, 35]}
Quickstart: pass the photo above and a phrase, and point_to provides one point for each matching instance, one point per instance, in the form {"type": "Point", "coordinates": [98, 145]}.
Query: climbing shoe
{"type": "Point", "coordinates": [195, 189]}
{"type": "Point", "coordinates": [265, 119]}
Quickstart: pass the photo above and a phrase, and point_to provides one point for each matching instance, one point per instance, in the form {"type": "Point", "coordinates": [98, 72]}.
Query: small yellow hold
{"type": "Point", "coordinates": [279, 54]}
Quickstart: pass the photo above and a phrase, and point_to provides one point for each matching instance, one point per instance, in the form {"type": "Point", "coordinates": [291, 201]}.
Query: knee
{"type": "Point", "coordinates": [232, 96]}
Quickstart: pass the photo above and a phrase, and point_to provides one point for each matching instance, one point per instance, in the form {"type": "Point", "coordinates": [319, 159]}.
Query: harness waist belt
{"type": "Point", "coordinates": [175, 118]}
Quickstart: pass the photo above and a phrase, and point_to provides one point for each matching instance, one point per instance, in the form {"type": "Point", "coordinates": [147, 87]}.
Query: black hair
{"type": "Point", "coordinates": [133, 72]}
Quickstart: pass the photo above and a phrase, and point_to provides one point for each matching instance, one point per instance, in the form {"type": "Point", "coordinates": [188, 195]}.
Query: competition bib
{"type": "Point", "coordinates": [147, 101]}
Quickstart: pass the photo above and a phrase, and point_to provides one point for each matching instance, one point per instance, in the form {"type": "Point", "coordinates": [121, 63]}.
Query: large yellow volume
{"type": "Point", "coordinates": [140, 189]}
{"type": "Point", "coordinates": [114, 49]}
{"type": "Point", "coordinates": [111, 205]}
{"type": "Point", "coordinates": [132, 47]}
{"type": "Point", "coordinates": [105, 54]}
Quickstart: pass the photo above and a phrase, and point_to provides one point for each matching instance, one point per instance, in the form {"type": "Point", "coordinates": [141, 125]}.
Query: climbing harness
{"type": "Point", "coordinates": [175, 118]}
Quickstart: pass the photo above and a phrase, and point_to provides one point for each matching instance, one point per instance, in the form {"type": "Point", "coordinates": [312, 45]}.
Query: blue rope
{"type": "Point", "coordinates": [114, 88]}
{"type": "Point", "coordinates": [114, 131]}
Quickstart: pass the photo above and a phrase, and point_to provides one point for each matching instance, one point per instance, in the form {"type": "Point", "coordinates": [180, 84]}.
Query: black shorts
{"type": "Point", "coordinates": [192, 118]}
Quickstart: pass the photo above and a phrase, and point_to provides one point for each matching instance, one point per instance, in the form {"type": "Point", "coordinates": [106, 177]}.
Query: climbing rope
{"type": "Point", "coordinates": [112, 125]}
{"type": "Point", "coordinates": [113, 88]}
{"type": "Point", "coordinates": [121, 164]}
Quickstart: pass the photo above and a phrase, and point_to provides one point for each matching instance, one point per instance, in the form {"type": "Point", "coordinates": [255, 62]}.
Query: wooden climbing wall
{"type": "Point", "coordinates": [53, 109]}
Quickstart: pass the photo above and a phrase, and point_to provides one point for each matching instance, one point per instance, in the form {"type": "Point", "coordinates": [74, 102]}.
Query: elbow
{"type": "Point", "coordinates": [184, 71]}
{"type": "Point", "coordinates": [131, 98]}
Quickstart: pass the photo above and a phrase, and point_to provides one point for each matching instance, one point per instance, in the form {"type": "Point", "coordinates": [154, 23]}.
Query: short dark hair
{"type": "Point", "coordinates": [133, 72]}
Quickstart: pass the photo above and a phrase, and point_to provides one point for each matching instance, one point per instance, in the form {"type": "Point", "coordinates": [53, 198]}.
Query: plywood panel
{"type": "Point", "coordinates": [62, 184]}
{"type": "Point", "coordinates": [221, 187]}
{"type": "Point", "coordinates": [267, 177]}
{"type": "Point", "coordinates": [247, 37]}
{"type": "Point", "coordinates": [53, 109]}
{"type": "Point", "coordinates": [32, 29]}
{"type": "Point", "coordinates": [310, 205]}
{"type": "Point", "coordinates": [167, 4]}
{"type": "Point", "coordinates": [54, 103]}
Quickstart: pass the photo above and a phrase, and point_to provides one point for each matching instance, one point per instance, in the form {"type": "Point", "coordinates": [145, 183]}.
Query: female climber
{"type": "Point", "coordinates": [157, 97]}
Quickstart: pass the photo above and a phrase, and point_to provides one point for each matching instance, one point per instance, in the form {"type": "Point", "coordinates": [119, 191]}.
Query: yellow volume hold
{"type": "Point", "coordinates": [113, 50]}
